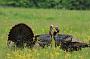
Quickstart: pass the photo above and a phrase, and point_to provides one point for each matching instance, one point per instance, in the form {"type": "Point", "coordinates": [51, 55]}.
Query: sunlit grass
{"type": "Point", "coordinates": [52, 53]}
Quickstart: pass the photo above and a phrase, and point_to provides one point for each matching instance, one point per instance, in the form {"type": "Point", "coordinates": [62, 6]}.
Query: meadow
{"type": "Point", "coordinates": [76, 23]}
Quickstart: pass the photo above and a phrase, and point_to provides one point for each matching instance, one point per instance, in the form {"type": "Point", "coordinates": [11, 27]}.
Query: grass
{"type": "Point", "coordinates": [76, 23]}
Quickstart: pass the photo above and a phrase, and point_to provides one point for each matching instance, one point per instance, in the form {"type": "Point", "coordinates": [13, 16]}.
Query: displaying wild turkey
{"type": "Point", "coordinates": [20, 34]}
{"type": "Point", "coordinates": [45, 39]}
{"type": "Point", "coordinates": [61, 37]}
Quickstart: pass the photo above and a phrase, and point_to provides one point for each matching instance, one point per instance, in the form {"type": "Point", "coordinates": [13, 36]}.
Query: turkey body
{"type": "Point", "coordinates": [20, 34]}
{"type": "Point", "coordinates": [44, 40]}
{"type": "Point", "coordinates": [62, 38]}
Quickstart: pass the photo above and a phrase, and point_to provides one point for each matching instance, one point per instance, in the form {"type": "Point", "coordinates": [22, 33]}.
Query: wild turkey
{"type": "Point", "coordinates": [45, 39]}
{"type": "Point", "coordinates": [73, 46]}
{"type": "Point", "coordinates": [67, 42]}
{"type": "Point", "coordinates": [20, 34]}
{"type": "Point", "coordinates": [61, 37]}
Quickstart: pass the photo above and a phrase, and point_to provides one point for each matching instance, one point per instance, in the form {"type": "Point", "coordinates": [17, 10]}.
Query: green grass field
{"type": "Point", "coordinates": [76, 23]}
